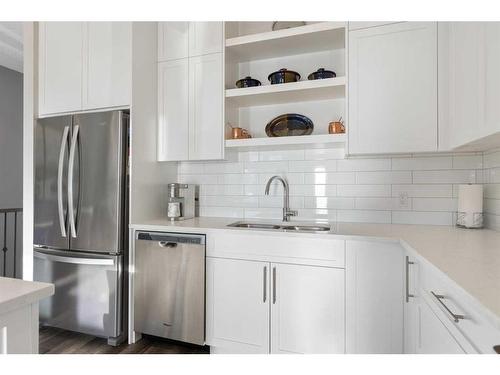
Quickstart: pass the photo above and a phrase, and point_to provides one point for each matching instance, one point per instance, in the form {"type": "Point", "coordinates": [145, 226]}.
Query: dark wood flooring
{"type": "Point", "coordinates": [58, 341]}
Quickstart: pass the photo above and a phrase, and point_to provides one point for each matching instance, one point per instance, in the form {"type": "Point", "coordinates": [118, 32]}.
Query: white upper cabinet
{"type": "Point", "coordinates": [205, 38]}
{"type": "Point", "coordinates": [173, 40]}
{"type": "Point", "coordinates": [60, 65]}
{"type": "Point", "coordinates": [190, 91]}
{"type": "Point", "coordinates": [374, 297]}
{"type": "Point", "coordinates": [471, 56]}
{"type": "Point", "coordinates": [315, 325]}
{"type": "Point", "coordinates": [108, 65]}
{"type": "Point", "coordinates": [83, 65]}
{"type": "Point", "coordinates": [173, 110]}
{"type": "Point", "coordinates": [206, 124]}
{"type": "Point", "coordinates": [393, 88]}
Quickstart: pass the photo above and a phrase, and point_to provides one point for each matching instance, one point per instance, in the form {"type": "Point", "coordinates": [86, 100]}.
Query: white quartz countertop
{"type": "Point", "coordinates": [469, 257]}
{"type": "Point", "coordinates": [15, 293]}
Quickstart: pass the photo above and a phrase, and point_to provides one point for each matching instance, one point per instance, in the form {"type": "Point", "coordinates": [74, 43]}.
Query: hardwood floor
{"type": "Point", "coordinates": [58, 341]}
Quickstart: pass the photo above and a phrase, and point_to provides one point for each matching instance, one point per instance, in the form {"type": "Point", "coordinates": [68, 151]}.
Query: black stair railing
{"type": "Point", "coordinates": [10, 233]}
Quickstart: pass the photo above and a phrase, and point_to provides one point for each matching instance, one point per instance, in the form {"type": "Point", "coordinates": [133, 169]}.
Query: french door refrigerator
{"type": "Point", "coordinates": [80, 220]}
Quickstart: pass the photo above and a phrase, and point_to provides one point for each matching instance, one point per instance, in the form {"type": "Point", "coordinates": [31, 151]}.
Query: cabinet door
{"type": "Point", "coordinates": [238, 305]}
{"type": "Point", "coordinates": [307, 309]}
{"type": "Point", "coordinates": [411, 305]}
{"type": "Point", "coordinates": [374, 297]}
{"type": "Point", "coordinates": [205, 38]}
{"type": "Point", "coordinates": [393, 88]}
{"type": "Point", "coordinates": [206, 120]}
{"type": "Point", "coordinates": [108, 68]}
{"type": "Point", "coordinates": [492, 78]}
{"type": "Point", "coordinates": [173, 110]}
{"type": "Point", "coordinates": [434, 337]}
{"type": "Point", "coordinates": [173, 40]}
{"type": "Point", "coordinates": [60, 67]}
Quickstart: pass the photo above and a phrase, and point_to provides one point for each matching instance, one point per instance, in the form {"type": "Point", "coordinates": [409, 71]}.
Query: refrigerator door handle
{"type": "Point", "coordinates": [74, 260]}
{"type": "Point", "coordinates": [60, 208]}
{"type": "Point", "coordinates": [71, 169]}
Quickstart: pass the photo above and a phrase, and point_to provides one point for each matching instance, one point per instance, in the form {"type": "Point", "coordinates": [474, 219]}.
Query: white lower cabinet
{"type": "Point", "coordinates": [260, 307]}
{"type": "Point", "coordinates": [374, 297]}
{"type": "Point", "coordinates": [433, 337]}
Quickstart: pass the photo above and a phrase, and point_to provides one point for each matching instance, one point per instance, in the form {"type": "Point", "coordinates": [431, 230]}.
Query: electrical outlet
{"type": "Point", "coordinates": [404, 201]}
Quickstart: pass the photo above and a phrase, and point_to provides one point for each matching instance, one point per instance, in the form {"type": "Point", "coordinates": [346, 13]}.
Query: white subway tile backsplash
{"type": "Point", "coordinates": [364, 190]}
{"type": "Point", "coordinates": [422, 190]}
{"type": "Point", "coordinates": [364, 165]}
{"type": "Point", "coordinates": [390, 177]}
{"type": "Point", "coordinates": [435, 204]}
{"type": "Point", "coordinates": [414, 217]}
{"type": "Point", "coordinates": [323, 185]}
{"type": "Point", "coordinates": [313, 166]}
{"type": "Point", "coordinates": [330, 178]}
{"type": "Point", "coordinates": [444, 177]}
{"type": "Point", "coordinates": [421, 163]}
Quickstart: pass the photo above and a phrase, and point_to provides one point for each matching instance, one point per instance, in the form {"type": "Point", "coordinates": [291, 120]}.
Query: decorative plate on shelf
{"type": "Point", "coordinates": [289, 124]}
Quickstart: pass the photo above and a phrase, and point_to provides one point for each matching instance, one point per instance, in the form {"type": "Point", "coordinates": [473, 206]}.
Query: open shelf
{"type": "Point", "coordinates": [320, 89]}
{"type": "Point", "coordinates": [294, 41]}
{"type": "Point", "coordinates": [318, 140]}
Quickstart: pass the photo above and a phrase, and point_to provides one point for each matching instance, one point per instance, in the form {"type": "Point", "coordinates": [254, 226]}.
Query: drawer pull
{"type": "Point", "coordinates": [440, 298]}
{"type": "Point", "coordinates": [408, 295]}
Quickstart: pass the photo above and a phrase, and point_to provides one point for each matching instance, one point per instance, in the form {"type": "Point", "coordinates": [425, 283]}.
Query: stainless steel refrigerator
{"type": "Point", "coordinates": [81, 220]}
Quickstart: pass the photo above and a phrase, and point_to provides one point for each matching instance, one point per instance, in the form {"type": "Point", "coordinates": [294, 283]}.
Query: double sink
{"type": "Point", "coordinates": [283, 227]}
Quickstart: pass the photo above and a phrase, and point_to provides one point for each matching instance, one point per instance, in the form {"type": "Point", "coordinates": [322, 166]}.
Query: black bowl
{"type": "Point", "coordinates": [247, 82]}
{"type": "Point", "coordinates": [283, 76]}
{"type": "Point", "coordinates": [321, 73]}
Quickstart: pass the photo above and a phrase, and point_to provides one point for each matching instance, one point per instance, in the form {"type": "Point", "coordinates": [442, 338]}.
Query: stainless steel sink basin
{"type": "Point", "coordinates": [316, 228]}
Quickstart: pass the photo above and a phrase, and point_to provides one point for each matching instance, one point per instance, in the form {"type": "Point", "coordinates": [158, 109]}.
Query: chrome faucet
{"type": "Point", "coordinates": [286, 197]}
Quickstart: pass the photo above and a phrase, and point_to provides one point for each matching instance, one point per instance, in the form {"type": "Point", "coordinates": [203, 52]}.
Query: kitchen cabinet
{"type": "Point", "coordinates": [107, 77]}
{"type": "Point", "coordinates": [411, 305]}
{"type": "Point", "coordinates": [173, 40]}
{"type": "Point", "coordinates": [205, 38]}
{"type": "Point", "coordinates": [247, 298]}
{"type": "Point", "coordinates": [316, 323]}
{"type": "Point", "coordinates": [374, 297]}
{"type": "Point", "coordinates": [83, 66]}
{"type": "Point", "coordinates": [190, 92]}
{"type": "Point", "coordinates": [393, 88]}
{"type": "Point", "coordinates": [238, 305]}
{"type": "Point", "coordinates": [173, 110]}
{"type": "Point", "coordinates": [471, 54]}
{"type": "Point", "coordinates": [206, 122]}
{"type": "Point", "coordinates": [434, 338]}
{"type": "Point", "coordinates": [60, 65]}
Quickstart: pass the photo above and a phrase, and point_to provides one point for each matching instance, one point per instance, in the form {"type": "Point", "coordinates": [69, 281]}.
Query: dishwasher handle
{"type": "Point", "coordinates": [167, 244]}
{"type": "Point", "coordinates": [164, 239]}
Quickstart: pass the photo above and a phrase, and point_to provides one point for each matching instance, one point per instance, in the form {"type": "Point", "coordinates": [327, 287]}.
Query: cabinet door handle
{"type": "Point", "coordinates": [264, 292]}
{"type": "Point", "coordinates": [274, 285]}
{"type": "Point", "coordinates": [408, 295]}
{"type": "Point", "coordinates": [440, 298]}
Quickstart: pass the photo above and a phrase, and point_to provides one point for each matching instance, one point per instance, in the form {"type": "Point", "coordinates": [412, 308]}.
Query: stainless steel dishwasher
{"type": "Point", "coordinates": [169, 286]}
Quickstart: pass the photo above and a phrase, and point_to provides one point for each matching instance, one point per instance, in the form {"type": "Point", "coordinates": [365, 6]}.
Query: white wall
{"type": "Point", "coordinates": [324, 185]}
{"type": "Point", "coordinates": [492, 188]}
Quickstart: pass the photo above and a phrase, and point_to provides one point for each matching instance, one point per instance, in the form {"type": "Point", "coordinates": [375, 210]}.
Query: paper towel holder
{"type": "Point", "coordinates": [477, 220]}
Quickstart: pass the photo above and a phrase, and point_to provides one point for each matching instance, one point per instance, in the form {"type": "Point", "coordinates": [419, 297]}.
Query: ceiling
{"type": "Point", "coordinates": [11, 45]}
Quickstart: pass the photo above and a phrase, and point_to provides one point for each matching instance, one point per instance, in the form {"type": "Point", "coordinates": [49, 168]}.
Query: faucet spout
{"type": "Point", "coordinates": [286, 197]}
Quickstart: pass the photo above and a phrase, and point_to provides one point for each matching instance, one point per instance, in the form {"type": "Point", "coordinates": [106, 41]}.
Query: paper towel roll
{"type": "Point", "coordinates": [470, 205]}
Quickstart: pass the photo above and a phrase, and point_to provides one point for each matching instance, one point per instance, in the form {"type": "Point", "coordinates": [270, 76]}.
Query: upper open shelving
{"type": "Point", "coordinates": [294, 41]}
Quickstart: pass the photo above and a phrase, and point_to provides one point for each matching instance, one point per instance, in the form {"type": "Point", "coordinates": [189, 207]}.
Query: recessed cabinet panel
{"type": "Point", "coordinates": [173, 40]}
{"type": "Point", "coordinates": [238, 305]}
{"type": "Point", "coordinates": [393, 88]}
{"type": "Point", "coordinates": [205, 38]}
{"type": "Point", "coordinates": [173, 110]}
{"type": "Point", "coordinates": [307, 309]}
{"type": "Point", "coordinates": [60, 67]}
{"type": "Point", "coordinates": [206, 107]}
{"type": "Point", "coordinates": [108, 66]}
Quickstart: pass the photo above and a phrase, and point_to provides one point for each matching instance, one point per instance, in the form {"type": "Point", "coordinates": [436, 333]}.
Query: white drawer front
{"type": "Point", "coordinates": [304, 249]}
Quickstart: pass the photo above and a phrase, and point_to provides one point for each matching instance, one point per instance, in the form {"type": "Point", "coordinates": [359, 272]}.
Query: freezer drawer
{"type": "Point", "coordinates": [88, 291]}
{"type": "Point", "coordinates": [169, 286]}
